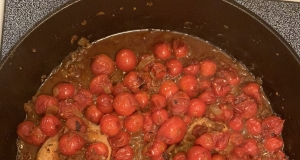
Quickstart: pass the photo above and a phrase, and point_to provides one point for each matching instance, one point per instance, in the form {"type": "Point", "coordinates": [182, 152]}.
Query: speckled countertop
{"type": "Point", "coordinates": [21, 15]}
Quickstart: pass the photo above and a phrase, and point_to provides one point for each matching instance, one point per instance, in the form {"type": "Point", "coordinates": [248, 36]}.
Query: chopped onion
{"type": "Point", "coordinates": [145, 62]}
{"type": "Point", "coordinates": [106, 89]}
{"type": "Point", "coordinates": [216, 110]}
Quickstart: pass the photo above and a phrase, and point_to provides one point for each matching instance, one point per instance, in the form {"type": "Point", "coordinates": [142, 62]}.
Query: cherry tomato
{"type": "Point", "coordinates": [122, 139]}
{"type": "Point", "coordinates": [180, 48]}
{"type": "Point", "coordinates": [37, 136]}
{"type": "Point", "coordinates": [189, 85]}
{"type": "Point", "coordinates": [159, 71]}
{"type": "Point", "coordinates": [100, 84]}
{"type": "Point", "coordinates": [231, 76]}
{"type": "Point", "coordinates": [179, 103]}
{"type": "Point", "coordinates": [226, 113]}
{"type": "Point", "coordinates": [125, 104]}
{"type": "Point", "coordinates": [218, 157]}
{"type": "Point", "coordinates": [70, 143]}
{"type": "Point", "coordinates": [133, 81]}
{"type": "Point", "coordinates": [142, 98]}
{"type": "Point", "coordinates": [180, 156]}
{"type": "Point", "coordinates": [157, 102]}
{"type": "Point", "coordinates": [157, 148]}
{"type": "Point", "coordinates": [134, 122]}
{"type": "Point", "coordinates": [172, 130]}
{"type": "Point", "coordinates": [250, 147]}
{"type": "Point", "coordinates": [253, 126]}
{"type": "Point", "coordinates": [162, 50]}
{"type": "Point", "coordinates": [83, 98]}
{"type": "Point", "coordinates": [220, 87]}
{"type": "Point", "coordinates": [246, 109]}
{"type": "Point", "coordinates": [206, 141]}
{"type": "Point", "coordinates": [168, 88]}
{"type": "Point", "coordinates": [125, 153]}
{"type": "Point", "coordinates": [273, 144]}
{"type": "Point", "coordinates": [160, 116]}
{"type": "Point", "coordinates": [104, 103]}
{"type": "Point", "coordinates": [68, 109]}
{"type": "Point", "coordinates": [24, 131]}
{"type": "Point", "coordinates": [192, 69]}
{"type": "Point", "coordinates": [97, 151]}
{"type": "Point", "coordinates": [197, 108]}
{"type": "Point", "coordinates": [208, 97]}
{"type": "Point", "coordinates": [93, 114]}
{"type": "Point", "coordinates": [239, 151]}
{"type": "Point", "coordinates": [103, 64]}
{"type": "Point", "coordinates": [272, 126]}
{"type": "Point", "coordinates": [174, 67]}
{"type": "Point", "coordinates": [43, 102]}
{"type": "Point", "coordinates": [187, 119]}
{"type": "Point", "coordinates": [236, 138]}
{"type": "Point", "coordinates": [236, 124]}
{"type": "Point", "coordinates": [110, 125]}
{"type": "Point", "coordinates": [204, 84]}
{"type": "Point", "coordinates": [63, 90]}
{"type": "Point", "coordinates": [50, 125]}
{"type": "Point", "coordinates": [252, 90]}
{"type": "Point", "coordinates": [221, 139]}
{"type": "Point", "coordinates": [76, 124]}
{"type": "Point", "coordinates": [208, 68]}
{"type": "Point", "coordinates": [119, 88]}
{"type": "Point", "coordinates": [149, 128]}
{"type": "Point", "coordinates": [126, 60]}
{"type": "Point", "coordinates": [198, 153]}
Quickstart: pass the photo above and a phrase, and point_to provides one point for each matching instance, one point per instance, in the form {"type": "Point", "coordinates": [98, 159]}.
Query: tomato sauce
{"type": "Point", "coordinates": [154, 95]}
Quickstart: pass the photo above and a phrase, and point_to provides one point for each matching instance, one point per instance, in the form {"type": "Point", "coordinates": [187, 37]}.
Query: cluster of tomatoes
{"type": "Point", "coordinates": [158, 97]}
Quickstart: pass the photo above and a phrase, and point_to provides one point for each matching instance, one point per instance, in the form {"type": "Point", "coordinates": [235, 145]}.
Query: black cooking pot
{"type": "Point", "coordinates": [222, 23]}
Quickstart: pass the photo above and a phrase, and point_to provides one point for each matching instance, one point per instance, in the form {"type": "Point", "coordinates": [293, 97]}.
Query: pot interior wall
{"type": "Point", "coordinates": [221, 23]}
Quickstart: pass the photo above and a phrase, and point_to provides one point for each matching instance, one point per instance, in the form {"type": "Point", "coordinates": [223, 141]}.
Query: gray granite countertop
{"type": "Point", "coordinates": [21, 15]}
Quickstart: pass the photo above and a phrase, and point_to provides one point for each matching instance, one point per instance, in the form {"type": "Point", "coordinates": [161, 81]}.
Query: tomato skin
{"type": "Point", "coordinates": [221, 139]}
{"type": "Point", "coordinates": [168, 88]}
{"type": "Point", "coordinates": [239, 151]}
{"type": "Point", "coordinates": [125, 153]}
{"type": "Point", "coordinates": [122, 139]}
{"type": "Point", "coordinates": [189, 85]}
{"type": "Point", "coordinates": [192, 69]}
{"type": "Point", "coordinates": [98, 84]}
{"type": "Point", "coordinates": [180, 48]}
{"type": "Point", "coordinates": [93, 114]}
{"type": "Point", "coordinates": [133, 81]}
{"type": "Point", "coordinates": [119, 88]}
{"type": "Point", "coordinates": [125, 104]}
{"type": "Point", "coordinates": [208, 68]}
{"type": "Point", "coordinates": [218, 157]}
{"type": "Point", "coordinates": [272, 126]}
{"type": "Point", "coordinates": [172, 130]}
{"type": "Point", "coordinates": [179, 103]}
{"type": "Point", "coordinates": [67, 109]}
{"type": "Point", "coordinates": [180, 156]}
{"type": "Point", "coordinates": [206, 141]}
{"type": "Point", "coordinates": [110, 125]}
{"type": "Point", "coordinates": [37, 136]}
{"type": "Point", "coordinates": [63, 90]}
{"type": "Point", "coordinates": [162, 50]}
{"type": "Point", "coordinates": [246, 109]}
{"type": "Point", "coordinates": [231, 76]}
{"type": "Point", "coordinates": [126, 60]}
{"type": "Point", "coordinates": [273, 144]}
{"type": "Point", "coordinates": [83, 98]}
{"type": "Point", "coordinates": [160, 116]}
{"type": "Point", "coordinates": [220, 87]}
{"type": "Point", "coordinates": [198, 153]}
{"type": "Point", "coordinates": [50, 125]}
{"type": "Point", "coordinates": [142, 98]}
{"type": "Point", "coordinates": [97, 151]}
{"type": "Point", "coordinates": [250, 147]}
{"type": "Point", "coordinates": [174, 67]}
{"type": "Point", "coordinates": [197, 108]}
{"type": "Point", "coordinates": [204, 84]}
{"type": "Point", "coordinates": [70, 143]}
{"type": "Point", "coordinates": [24, 131]}
{"type": "Point", "coordinates": [157, 148]}
{"type": "Point", "coordinates": [104, 103]}
{"type": "Point", "coordinates": [43, 102]}
{"type": "Point", "coordinates": [253, 126]}
{"type": "Point", "coordinates": [208, 97]}
{"type": "Point", "coordinates": [134, 122]}
{"type": "Point", "coordinates": [236, 124]}
{"type": "Point", "coordinates": [103, 64]}
{"type": "Point", "coordinates": [236, 138]}
{"type": "Point", "coordinates": [157, 102]}
{"type": "Point", "coordinates": [76, 124]}
{"type": "Point", "coordinates": [253, 90]}
{"type": "Point", "coordinates": [159, 70]}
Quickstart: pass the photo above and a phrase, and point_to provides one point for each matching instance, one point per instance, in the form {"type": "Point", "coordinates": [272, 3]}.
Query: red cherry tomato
{"type": "Point", "coordinates": [180, 48]}
{"type": "Point", "coordinates": [239, 151]}
{"type": "Point", "coordinates": [208, 97]}
{"type": "Point", "coordinates": [174, 67]}
{"type": "Point", "coordinates": [250, 147]}
{"type": "Point", "coordinates": [197, 108]}
{"type": "Point", "coordinates": [97, 151]}
{"type": "Point", "coordinates": [63, 90]}
{"type": "Point", "coordinates": [208, 68]}
{"type": "Point", "coordinates": [157, 148]}
{"type": "Point", "coordinates": [122, 139]}
{"type": "Point", "coordinates": [231, 76]}
{"type": "Point", "coordinates": [187, 119]}
{"type": "Point", "coordinates": [110, 125]}
{"type": "Point", "coordinates": [157, 102]}
{"type": "Point", "coordinates": [221, 139]}
{"type": "Point", "coordinates": [126, 60]}
{"type": "Point", "coordinates": [180, 156]}
{"type": "Point", "coordinates": [162, 51]}
{"type": "Point", "coordinates": [125, 104]}
{"type": "Point", "coordinates": [68, 109]}
{"type": "Point", "coordinates": [104, 103]}
{"type": "Point", "coordinates": [246, 109]}
{"type": "Point", "coordinates": [272, 126]}
{"type": "Point", "coordinates": [189, 85]}
{"type": "Point", "coordinates": [198, 153]}
{"type": "Point", "coordinates": [160, 116]}
{"type": "Point", "coordinates": [159, 71]}
{"type": "Point", "coordinates": [24, 131]}
{"type": "Point", "coordinates": [142, 98]}
{"type": "Point", "coordinates": [50, 125]}
{"type": "Point", "coordinates": [253, 126]}
{"type": "Point", "coordinates": [236, 124]}
{"type": "Point", "coordinates": [134, 122]}
{"type": "Point", "coordinates": [100, 84]}
{"type": "Point", "coordinates": [76, 124]}
{"type": "Point", "coordinates": [273, 144]}
{"type": "Point", "coordinates": [70, 143]}
{"type": "Point", "coordinates": [149, 128]}
{"type": "Point", "coordinates": [43, 102]}
{"type": "Point", "coordinates": [204, 84]}
{"type": "Point", "coordinates": [179, 103]}
{"type": "Point", "coordinates": [119, 88]}
{"type": "Point", "coordinates": [168, 88]}
{"type": "Point", "coordinates": [220, 87]}
{"type": "Point", "coordinates": [103, 64]}
{"type": "Point", "coordinates": [236, 138]}
{"type": "Point", "coordinates": [83, 98]}
{"type": "Point", "coordinates": [133, 81]}
{"type": "Point", "coordinates": [125, 153]}
{"type": "Point", "coordinates": [218, 157]}
{"type": "Point", "coordinates": [252, 90]}
{"type": "Point", "coordinates": [37, 136]}
{"type": "Point", "coordinates": [206, 141]}
{"type": "Point", "coordinates": [172, 130]}
{"type": "Point", "coordinates": [93, 114]}
{"type": "Point", "coordinates": [192, 69]}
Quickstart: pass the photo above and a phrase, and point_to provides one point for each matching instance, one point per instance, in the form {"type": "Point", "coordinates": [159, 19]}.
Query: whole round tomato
{"type": "Point", "coordinates": [76, 124]}
{"type": "Point", "coordinates": [179, 103]}
{"type": "Point", "coordinates": [24, 131]}
{"type": "Point", "coordinates": [110, 125]}
{"type": "Point", "coordinates": [189, 85]}
{"type": "Point", "coordinates": [125, 153]}
{"type": "Point", "coordinates": [160, 116]}
{"type": "Point", "coordinates": [97, 151]}
{"type": "Point", "coordinates": [206, 140]}
{"type": "Point", "coordinates": [172, 130]}
{"type": "Point", "coordinates": [208, 68]}
{"type": "Point", "coordinates": [83, 98]}
{"type": "Point", "coordinates": [63, 90]}
{"type": "Point", "coordinates": [180, 156]}
{"type": "Point", "coordinates": [174, 67]}
{"type": "Point", "coordinates": [197, 108]}
{"type": "Point", "coordinates": [122, 139]}
{"type": "Point", "coordinates": [272, 126]}
{"type": "Point", "coordinates": [142, 98]}
{"type": "Point", "coordinates": [50, 125]}
{"type": "Point", "coordinates": [236, 123]}
{"type": "Point", "coordinates": [134, 122]}
{"type": "Point", "coordinates": [103, 64]}
{"type": "Point", "coordinates": [253, 126]}
{"type": "Point", "coordinates": [93, 114]}
{"type": "Point", "coordinates": [43, 102]}
{"type": "Point", "coordinates": [100, 84]}
{"type": "Point", "coordinates": [253, 90]}
{"type": "Point", "coordinates": [168, 88]}
{"type": "Point", "coordinates": [37, 136]}
{"type": "Point", "coordinates": [157, 102]}
{"type": "Point", "coordinates": [273, 144]}
{"type": "Point", "coordinates": [162, 50]}
{"type": "Point", "coordinates": [133, 81]}
{"type": "Point", "coordinates": [180, 48]}
{"type": "Point", "coordinates": [104, 103]}
{"type": "Point", "coordinates": [70, 143]}
{"type": "Point", "coordinates": [217, 157]}
{"type": "Point", "coordinates": [250, 147]}
{"type": "Point", "coordinates": [198, 153]}
{"type": "Point", "coordinates": [126, 60]}
{"type": "Point", "coordinates": [157, 148]}
{"type": "Point", "coordinates": [125, 104]}
{"type": "Point", "coordinates": [192, 69]}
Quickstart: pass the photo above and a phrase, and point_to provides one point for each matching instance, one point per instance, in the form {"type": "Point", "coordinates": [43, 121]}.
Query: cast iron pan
{"type": "Point", "coordinates": [222, 23]}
